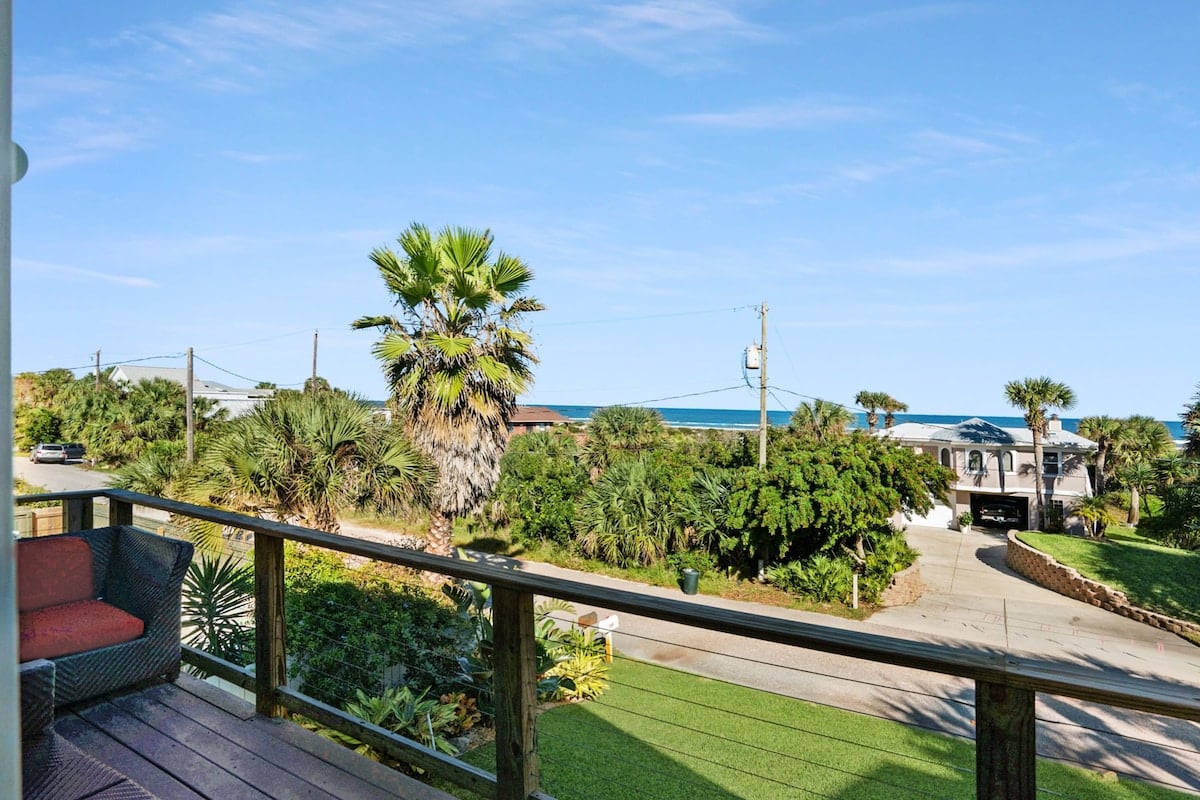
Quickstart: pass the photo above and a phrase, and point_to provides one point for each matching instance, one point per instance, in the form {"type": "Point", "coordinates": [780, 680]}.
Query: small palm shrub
{"type": "Point", "coordinates": [216, 605]}
{"type": "Point", "coordinates": [625, 518]}
{"type": "Point", "coordinates": [888, 556]}
{"type": "Point", "coordinates": [578, 664]}
{"type": "Point", "coordinates": [820, 578]}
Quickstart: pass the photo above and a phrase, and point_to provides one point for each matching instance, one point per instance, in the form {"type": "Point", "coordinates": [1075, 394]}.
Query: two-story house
{"type": "Point", "coordinates": [995, 468]}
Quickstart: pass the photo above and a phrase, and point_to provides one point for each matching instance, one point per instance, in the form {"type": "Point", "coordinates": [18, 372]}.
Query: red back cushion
{"type": "Point", "coordinates": [53, 570]}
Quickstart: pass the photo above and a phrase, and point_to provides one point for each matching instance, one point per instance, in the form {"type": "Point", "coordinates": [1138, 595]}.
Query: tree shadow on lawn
{"type": "Point", "coordinates": [1165, 581]}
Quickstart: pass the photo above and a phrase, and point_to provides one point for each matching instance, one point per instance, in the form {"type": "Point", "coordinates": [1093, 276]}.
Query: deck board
{"type": "Point", "coordinates": [190, 740]}
{"type": "Point", "coordinates": [320, 773]}
{"type": "Point", "coordinates": [133, 765]}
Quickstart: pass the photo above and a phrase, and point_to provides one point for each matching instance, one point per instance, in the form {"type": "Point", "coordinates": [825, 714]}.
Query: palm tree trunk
{"type": "Point", "coordinates": [1135, 511]}
{"type": "Point", "coordinates": [1039, 514]}
{"type": "Point", "coordinates": [441, 533]}
{"type": "Point", "coordinates": [1101, 457]}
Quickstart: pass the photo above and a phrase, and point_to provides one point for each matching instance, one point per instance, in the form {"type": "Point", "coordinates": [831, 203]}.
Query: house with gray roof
{"type": "Point", "coordinates": [236, 401]}
{"type": "Point", "coordinates": [996, 469]}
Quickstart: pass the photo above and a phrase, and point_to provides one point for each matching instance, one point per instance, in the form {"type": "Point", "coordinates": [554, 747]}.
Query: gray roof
{"type": "Point", "coordinates": [134, 374]}
{"type": "Point", "coordinates": [981, 432]}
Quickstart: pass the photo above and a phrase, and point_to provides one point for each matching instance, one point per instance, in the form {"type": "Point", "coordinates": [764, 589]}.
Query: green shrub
{"type": "Point", "coordinates": [564, 654]}
{"type": "Point", "coordinates": [820, 578]}
{"type": "Point", "coordinates": [356, 630]}
{"type": "Point", "coordinates": [699, 560]}
{"type": "Point", "coordinates": [541, 480]}
{"type": "Point", "coordinates": [579, 663]}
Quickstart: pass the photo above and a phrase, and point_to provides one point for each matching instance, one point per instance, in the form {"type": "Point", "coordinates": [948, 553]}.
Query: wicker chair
{"type": "Point", "coordinates": [139, 573]}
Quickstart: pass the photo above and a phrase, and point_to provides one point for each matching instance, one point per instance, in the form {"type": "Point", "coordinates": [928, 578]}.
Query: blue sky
{"type": "Point", "coordinates": [933, 198]}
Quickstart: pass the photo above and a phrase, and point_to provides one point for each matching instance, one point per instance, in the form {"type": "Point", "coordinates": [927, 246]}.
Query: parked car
{"type": "Point", "coordinates": [48, 452]}
{"type": "Point", "coordinates": [75, 450]}
{"type": "Point", "coordinates": [999, 513]}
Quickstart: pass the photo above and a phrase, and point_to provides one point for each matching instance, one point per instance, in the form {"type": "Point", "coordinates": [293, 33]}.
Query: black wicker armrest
{"type": "Point", "coordinates": [37, 697]}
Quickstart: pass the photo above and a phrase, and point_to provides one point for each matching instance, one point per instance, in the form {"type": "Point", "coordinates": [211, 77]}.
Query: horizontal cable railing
{"type": "Point", "coordinates": [998, 688]}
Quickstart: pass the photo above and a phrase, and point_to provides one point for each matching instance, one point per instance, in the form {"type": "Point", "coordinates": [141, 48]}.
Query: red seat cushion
{"type": "Point", "coordinates": [52, 571]}
{"type": "Point", "coordinates": [75, 627]}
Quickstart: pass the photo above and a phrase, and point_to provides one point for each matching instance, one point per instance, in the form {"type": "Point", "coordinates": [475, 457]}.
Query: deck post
{"type": "Point", "coordinates": [1005, 743]}
{"type": "Point", "coordinates": [515, 686]}
{"type": "Point", "coordinates": [120, 512]}
{"type": "Point", "coordinates": [77, 514]}
{"type": "Point", "coordinates": [270, 654]}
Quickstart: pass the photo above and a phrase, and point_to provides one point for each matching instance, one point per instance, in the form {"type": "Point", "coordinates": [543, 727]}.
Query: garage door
{"type": "Point", "coordinates": [940, 517]}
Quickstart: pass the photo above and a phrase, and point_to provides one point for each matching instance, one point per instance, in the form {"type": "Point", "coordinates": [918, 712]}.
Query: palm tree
{"type": "Point", "coordinates": [1036, 396]}
{"type": "Point", "coordinates": [1139, 442]}
{"type": "Point", "coordinates": [303, 458]}
{"type": "Point", "coordinates": [821, 419]}
{"type": "Point", "coordinates": [1191, 424]}
{"type": "Point", "coordinates": [1103, 431]}
{"type": "Point", "coordinates": [455, 359]}
{"type": "Point", "coordinates": [890, 406]}
{"type": "Point", "coordinates": [626, 517]}
{"type": "Point", "coordinates": [1095, 512]}
{"type": "Point", "coordinates": [871, 402]}
{"type": "Point", "coordinates": [617, 432]}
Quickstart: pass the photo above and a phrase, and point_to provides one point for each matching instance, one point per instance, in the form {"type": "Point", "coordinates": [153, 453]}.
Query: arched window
{"type": "Point", "coordinates": [1006, 460]}
{"type": "Point", "coordinates": [975, 461]}
{"type": "Point", "coordinates": [946, 457]}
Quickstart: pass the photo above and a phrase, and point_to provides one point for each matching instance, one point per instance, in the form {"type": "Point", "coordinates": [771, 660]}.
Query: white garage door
{"type": "Point", "coordinates": [940, 517]}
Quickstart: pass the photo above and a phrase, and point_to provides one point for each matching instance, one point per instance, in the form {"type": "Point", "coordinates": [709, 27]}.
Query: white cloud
{"type": "Point", "coordinates": [795, 114]}
{"type": "Point", "coordinates": [895, 17]}
{"type": "Point", "coordinates": [240, 46]}
{"type": "Point", "coordinates": [942, 143]}
{"type": "Point", "coordinates": [72, 140]}
{"type": "Point", "coordinates": [257, 158]}
{"type": "Point", "coordinates": [42, 267]}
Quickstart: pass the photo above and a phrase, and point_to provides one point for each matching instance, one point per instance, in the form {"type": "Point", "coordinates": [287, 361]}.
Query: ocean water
{"type": "Point", "coordinates": [744, 419]}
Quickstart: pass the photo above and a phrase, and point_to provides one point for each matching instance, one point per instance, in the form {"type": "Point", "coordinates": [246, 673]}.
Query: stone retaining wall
{"type": "Point", "coordinates": [904, 589]}
{"type": "Point", "coordinates": [1046, 571]}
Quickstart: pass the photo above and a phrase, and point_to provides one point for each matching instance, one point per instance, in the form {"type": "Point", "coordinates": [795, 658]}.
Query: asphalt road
{"type": "Point", "coordinates": [970, 596]}
{"type": "Point", "coordinates": [68, 477]}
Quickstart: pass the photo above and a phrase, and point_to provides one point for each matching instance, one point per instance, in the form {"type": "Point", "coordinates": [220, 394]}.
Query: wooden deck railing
{"type": "Point", "coordinates": [1006, 686]}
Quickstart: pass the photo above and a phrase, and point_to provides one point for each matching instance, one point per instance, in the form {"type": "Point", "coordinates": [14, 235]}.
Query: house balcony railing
{"type": "Point", "coordinates": [1006, 685]}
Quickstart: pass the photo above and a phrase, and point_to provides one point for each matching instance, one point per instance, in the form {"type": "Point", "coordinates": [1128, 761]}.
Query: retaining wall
{"type": "Point", "coordinates": [1045, 571]}
{"type": "Point", "coordinates": [904, 589]}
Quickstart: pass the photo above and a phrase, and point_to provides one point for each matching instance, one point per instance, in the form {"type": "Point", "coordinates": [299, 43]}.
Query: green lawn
{"type": "Point", "coordinates": [674, 736]}
{"type": "Point", "coordinates": [1158, 578]}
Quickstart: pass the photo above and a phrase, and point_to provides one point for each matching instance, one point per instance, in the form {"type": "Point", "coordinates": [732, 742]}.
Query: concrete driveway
{"type": "Point", "coordinates": [971, 594]}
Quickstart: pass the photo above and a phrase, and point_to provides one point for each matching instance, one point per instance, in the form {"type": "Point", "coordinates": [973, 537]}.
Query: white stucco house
{"type": "Point", "coordinates": [996, 465]}
{"type": "Point", "coordinates": [235, 401]}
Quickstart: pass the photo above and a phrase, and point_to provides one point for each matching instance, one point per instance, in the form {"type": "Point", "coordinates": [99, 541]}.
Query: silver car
{"type": "Point", "coordinates": [48, 452]}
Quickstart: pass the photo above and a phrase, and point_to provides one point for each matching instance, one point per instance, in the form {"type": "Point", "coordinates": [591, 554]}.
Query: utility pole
{"type": "Point", "coordinates": [97, 370]}
{"type": "Point", "coordinates": [314, 375]}
{"type": "Point", "coordinates": [762, 395]}
{"type": "Point", "coordinates": [191, 416]}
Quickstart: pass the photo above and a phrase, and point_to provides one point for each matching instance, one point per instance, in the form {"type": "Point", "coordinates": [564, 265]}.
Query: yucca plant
{"type": "Point", "coordinates": [216, 605]}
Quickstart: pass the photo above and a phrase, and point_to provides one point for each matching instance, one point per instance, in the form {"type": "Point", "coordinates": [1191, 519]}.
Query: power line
{"type": "Point", "coordinates": [92, 364]}
{"type": "Point", "coordinates": [242, 377]}
{"type": "Point", "coordinates": [645, 317]}
{"type": "Point", "coordinates": [681, 396]}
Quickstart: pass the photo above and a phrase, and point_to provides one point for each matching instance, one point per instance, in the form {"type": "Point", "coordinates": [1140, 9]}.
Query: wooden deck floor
{"type": "Point", "coordinates": [190, 740]}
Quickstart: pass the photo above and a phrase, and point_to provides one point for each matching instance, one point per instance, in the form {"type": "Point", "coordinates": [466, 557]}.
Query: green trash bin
{"type": "Point", "coordinates": [691, 580]}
